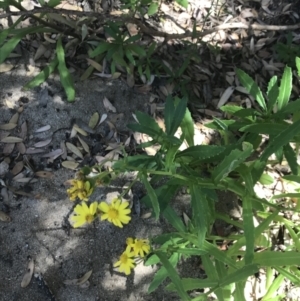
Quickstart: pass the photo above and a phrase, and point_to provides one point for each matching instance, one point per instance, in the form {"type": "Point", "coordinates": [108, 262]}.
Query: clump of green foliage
{"type": "Point", "coordinates": [233, 165]}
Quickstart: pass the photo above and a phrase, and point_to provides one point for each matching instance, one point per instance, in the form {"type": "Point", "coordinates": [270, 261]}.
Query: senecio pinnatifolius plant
{"type": "Point", "coordinates": [238, 162]}
{"type": "Point", "coordinates": [117, 213]}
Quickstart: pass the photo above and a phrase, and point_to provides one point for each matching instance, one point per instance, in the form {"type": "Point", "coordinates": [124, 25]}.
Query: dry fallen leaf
{"type": "Point", "coordinates": [79, 130]}
{"type": "Point", "coordinates": [28, 275]}
{"type": "Point", "coordinates": [8, 148]}
{"type": "Point", "coordinates": [94, 120]}
{"type": "Point", "coordinates": [103, 118]}
{"type": "Point", "coordinates": [84, 145]}
{"type": "Point", "coordinates": [8, 126]}
{"type": "Point", "coordinates": [225, 96]}
{"type": "Point", "coordinates": [11, 139]}
{"type": "Point", "coordinates": [5, 67]}
{"type": "Point", "coordinates": [31, 151]}
{"type": "Point", "coordinates": [79, 281]}
{"type": "Point", "coordinates": [23, 132]}
{"type": "Point", "coordinates": [44, 174]}
{"type": "Point", "coordinates": [70, 164]}
{"type": "Point", "coordinates": [74, 150]}
{"type": "Point", "coordinates": [17, 168]}
{"type": "Point", "coordinates": [26, 180]}
{"type": "Point", "coordinates": [43, 129]}
{"type": "Point", "coordinates": [43, 143]}
{"type": "Point", "coordinates": [54, 153]}
{"type": "Point", "coordinates": [108, 105]}
{"type": "Point", "coordinates": [21, 148]}
{"type": "Point", "coordinates": [4, 217]}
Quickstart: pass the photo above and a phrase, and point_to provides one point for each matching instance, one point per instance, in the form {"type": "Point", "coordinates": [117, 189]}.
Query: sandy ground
{"type": "Point", "coordinates": [38, 229]}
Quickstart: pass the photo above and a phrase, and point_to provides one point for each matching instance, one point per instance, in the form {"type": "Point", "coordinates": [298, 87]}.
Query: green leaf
{"type": "Point", "coordinates": [298, 65]}
{"type": "Point", "coordinates": [290, 156]}
{"type": "Point", "coordinates": [152, 194]}
{"type": "Point", "coordinates": [64, 73]}
{"type": "Point", "coordinates": [130, 57]}
{"type": "Point", "coordinates": [174, 115]}
{"type": "Point", "coordinates": [239, 275]}
{"type": "Point", "coordinates": [173, 275]}
{"type": "Point", "coordinates": [290, 108]}
{"type": "Point", "coordinates": [266, 179]}
{"type": "Point", "coordinates": [200, 209]}
{"type": "Point", "coordinates": [230, 109]}
{"type": "Point", "coordinates": [187, 127]}
{"type": "Point", "coordinates": [132, 40]}
{"type": "Point", "coordinates": [201, 152]}
{"type": "Point", "coordinates": [11, 44]}
{"type": "Point", "coordinates": [136, 49]}
{"type": "Point", "coordinates": [280, 140]}
{"type": "Point", "coordinates": [292, 178]}
{"type": "Point", "coordinates": [53, 3]}
{"type": "Point", "coordinates": [183, 3]}
{"type": "Point", "coordinates": [285, 88]}
{"type": "Point", "coordinates": [117, 57]}
{"type": "Point", "coordinates": [248, 229]}
{"type": "Point", "coordinates": [293, 278]}
{"type": "Point", "coordinates": [272, 93]}
{"type": "Point", "coordinates": [101, 48]}
{"type": "Point", "coordinates": [43, 75]}
{"type": "Point", "coordinates": [190, 284]}
{"type": "Point", "coordinates": [171, 216]}
{"type": "Point", "coordinates": [153, 9]}
{"type": "Point", "coordinates": [162, 273]}
{"type": "Point", "coordinates": [252, 88]}
{"type": "Point", "coordinates": [273, 258]}
{"type": "Point", "coordinates": [231, 162]}
{"type": "Point", "coordinates": [265, 128]}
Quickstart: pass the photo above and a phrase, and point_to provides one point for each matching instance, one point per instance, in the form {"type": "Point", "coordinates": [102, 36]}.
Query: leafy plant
{"type": "Point", "coordinates": [233, 165]}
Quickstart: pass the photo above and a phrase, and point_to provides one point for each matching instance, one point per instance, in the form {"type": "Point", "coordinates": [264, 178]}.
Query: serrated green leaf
{"type": "Point", "coordinates": [291, 107]}
{"type": "Point", "coordinates": [285, 88]}
{"type": "Point", "coordinates": [290, 156]}
{"type": "Point", "coordinates": [265, 128]}
{"type": "Point", "coordinates": [65, 76]}
{"type": "Point", "coordinates": [152, 9]}
{"type": "Point", "coordinates": [272, 93]}
{"type": "Point", "coordinates": [162, 273]}
{"type": "Point", "coordinates": [280, 140]}
{"type": "Point", "coordinates": [174, 115]}
{"type": "Point", "coordinates": [231, 162]}
{"type": "Point", "coordinates": [187, 127]}
{"type": "Point", "coordinates": [43, 75]}
{"type": "Point", "coordinates": [201, 152]}
{"type": "Point", "coordinates": [252, 88]}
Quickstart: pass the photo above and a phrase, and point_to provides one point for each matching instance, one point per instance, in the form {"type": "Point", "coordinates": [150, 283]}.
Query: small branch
{"type": "Point", "coordinates": [144, 28]}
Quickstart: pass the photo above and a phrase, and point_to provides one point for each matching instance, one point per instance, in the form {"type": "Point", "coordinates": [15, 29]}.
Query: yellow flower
{"type": "Point", "coordinates": [116, 212]}
{"type": "Point", "coordinates": [140, 247]}
{"type": "Point", "coordinates": [84, 214]}
{"type": "Point", "coordinates": [126, 262]}
{"type": "Point", "coordinates": [80, 189]}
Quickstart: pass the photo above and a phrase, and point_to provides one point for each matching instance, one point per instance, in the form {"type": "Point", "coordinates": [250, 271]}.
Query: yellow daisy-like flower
{"type": "Point", "coordinates": [81, 189]}
{"type": "Point", "coordinates": [116, 212]}
{"type": "Point", "coordinates": [84, 214]}
{"type": "Point", "coordinates": [140, 247]}
{"type": "Point", "coordinates": [126, 262]}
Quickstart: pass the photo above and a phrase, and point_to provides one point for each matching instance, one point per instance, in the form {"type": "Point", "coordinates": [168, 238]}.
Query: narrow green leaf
{"type": "Point", "coordinates": [238, 294]}
{"type": "Point", "coordinates": [272, 291]}
{"type": "Point", "coordinates": [53, 3]}
{"type": "Point", "coordinates": [190, 284]}
{"type": "Point", "coordinates": [173, 219]}
{"type": "Point", "coordinates": [231, 162]}
{"type": "Point", "coordinates": [162, 273]}
{"type": "Point", "coordinates": [183, 3]}
{"type": "Point", "coordinates": [252, 88]}
{"type": "Point", "coordinates": [172, 273]}
{"type": "Point", "coordinates": [42, 76]}
{"type": "Point", "coordinates": [248, 229]}
{"type": "Point", "coordinates": [291, 107]}
{"type": "Point", "coordinates": [200, 211]}
{"type": "Point", "coordinates": [265, 128]}
{"type": "Point", "coordinates": [147, 120]}
{"type": "Point", "coordinates": [298, 65]}
{"type": "Point", "coordinates": [285, 88]}
{"type": "Point", "coordinates": [130, 57]}
{"type": "Point", "coordinates": [131, 40]}
{"type": "Point", "coordinates": [174, 114]}
{"type": "Point", "coordinates": [290, 156]}
{"type": "Point", "coordinates": [239, 275]}
{"type": "Point", "coordinates": [191, 251]}
{"type": "Point", "coordinates": [101, 48]}
{"type": "Point", "coordinates": [293, 278]}
{"type": "Point", "coordinates": [153, 9]}
{"type": "Point", "coordinates": [201, 152]}
{"type": "Point", "coordinates": [187, 127]}
{"type": "Point", "coordinates": [230, 109]}
{"type": "Point", "coordinates": [272, 93]}
{"type": "Point", "coordinates": [151, 193]}
{"type": "Point", "coordinates": [136, 49]}
{"type": "Point", "coordinates": [280, 140]}
{"type": "Point", "coordinates": [272, 258]}
{"type": "Point", "coordinates": [293, 235]}
{"type": "Point", "coordinates": [245, 173]}
{"type": "Point", "coordinates": [266, 179]}
{"type": "Point", "coordinates": [65, 76]}
{"type": "Point", "coordinates": [292, 178]}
